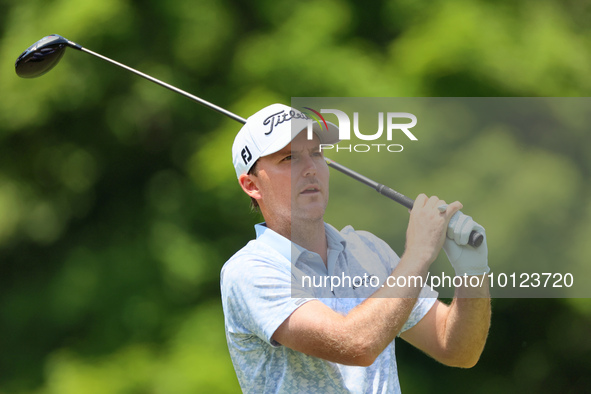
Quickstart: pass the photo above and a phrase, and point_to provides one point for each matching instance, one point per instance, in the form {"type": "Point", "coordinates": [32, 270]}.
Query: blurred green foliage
{"type": "Point", "coordinates": [119, 204]}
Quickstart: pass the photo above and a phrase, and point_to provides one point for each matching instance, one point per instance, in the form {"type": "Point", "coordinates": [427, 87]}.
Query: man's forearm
{"type": "Point", "coordinates": [381, 317]}
{"type": "Point", "coordinates": [467, 325]}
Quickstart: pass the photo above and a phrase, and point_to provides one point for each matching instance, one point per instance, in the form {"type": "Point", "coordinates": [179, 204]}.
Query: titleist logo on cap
{"type": "Point", "coordinates": [280, 117]}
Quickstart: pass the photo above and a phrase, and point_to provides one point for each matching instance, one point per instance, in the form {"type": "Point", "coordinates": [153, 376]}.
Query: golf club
{"type": "Point", "coordinates": [43, 55]}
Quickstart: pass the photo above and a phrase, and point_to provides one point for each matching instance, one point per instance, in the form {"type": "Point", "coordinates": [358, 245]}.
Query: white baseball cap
{"type": "Point", "coordinates": [272, 129]}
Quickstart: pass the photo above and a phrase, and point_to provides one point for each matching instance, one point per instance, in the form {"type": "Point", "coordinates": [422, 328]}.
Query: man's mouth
{"type": "Point", "coordinates": [310, 190]}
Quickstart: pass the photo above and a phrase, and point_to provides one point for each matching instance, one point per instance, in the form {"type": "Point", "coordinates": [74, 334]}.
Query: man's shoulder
{"type": "Point", "coordinates": [256, 250]}
{"type": "Point", "coordinates": [253, 254]}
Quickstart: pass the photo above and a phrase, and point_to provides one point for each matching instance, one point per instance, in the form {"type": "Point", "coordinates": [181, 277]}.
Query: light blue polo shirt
{"type": "Point", "coordinates": [261, 288]}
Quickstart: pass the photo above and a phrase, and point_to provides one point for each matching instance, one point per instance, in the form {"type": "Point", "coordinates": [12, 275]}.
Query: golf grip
{"type": "Point", "coordinates": [475, 239]}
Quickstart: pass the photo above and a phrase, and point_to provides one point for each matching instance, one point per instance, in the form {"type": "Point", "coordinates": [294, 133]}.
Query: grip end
{"type": "Point", "coordinates": [475, 239]}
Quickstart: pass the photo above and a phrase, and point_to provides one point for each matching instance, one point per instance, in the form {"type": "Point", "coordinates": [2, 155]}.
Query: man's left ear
{"type": "Point", "coordinates": [250, 186]}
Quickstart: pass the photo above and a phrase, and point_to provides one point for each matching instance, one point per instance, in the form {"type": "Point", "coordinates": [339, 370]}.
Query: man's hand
{"type": "Point", "coordinates": [466, 259]}
{"type": "Point", "coordinates": [427, 227]}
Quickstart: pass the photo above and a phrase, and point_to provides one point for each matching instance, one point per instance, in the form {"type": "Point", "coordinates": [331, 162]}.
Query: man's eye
{"type": "Point", "coordinates": [286, 158]}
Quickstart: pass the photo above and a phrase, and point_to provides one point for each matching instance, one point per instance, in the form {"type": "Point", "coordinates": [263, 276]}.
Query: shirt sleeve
{"type": "Point", "coordinates": [258, 295]}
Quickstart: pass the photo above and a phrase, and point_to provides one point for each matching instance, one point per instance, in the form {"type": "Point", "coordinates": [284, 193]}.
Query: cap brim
{"type": "Point", "coordinates": [330, 136]}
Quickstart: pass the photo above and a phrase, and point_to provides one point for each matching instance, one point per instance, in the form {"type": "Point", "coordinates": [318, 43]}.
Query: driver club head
{"type": "Point", "coordinates": [42, 56]}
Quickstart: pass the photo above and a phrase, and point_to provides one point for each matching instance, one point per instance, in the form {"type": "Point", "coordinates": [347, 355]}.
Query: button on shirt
{"type": "Point", "coordinates": [261, 288]}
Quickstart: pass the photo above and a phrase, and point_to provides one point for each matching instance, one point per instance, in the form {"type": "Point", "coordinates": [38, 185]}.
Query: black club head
{"type": "Point", "coordinates": [41, 57]}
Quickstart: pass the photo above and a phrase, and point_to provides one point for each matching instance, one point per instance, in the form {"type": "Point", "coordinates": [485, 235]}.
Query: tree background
{"type": "Point", "coordinates": [119, 205]}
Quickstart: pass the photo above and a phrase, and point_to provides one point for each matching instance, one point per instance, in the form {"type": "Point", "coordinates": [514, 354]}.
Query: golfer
{"type": "Point", "coordinates": [290, 327]}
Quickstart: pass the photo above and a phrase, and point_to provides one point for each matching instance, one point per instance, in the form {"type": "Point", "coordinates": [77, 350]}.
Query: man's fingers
{"type": "Point", "coordinates": [453, 208]}
{"type": "Point", "coordinates": [420, 200]}
{"type": "Point", "coordinates": [434, 201]}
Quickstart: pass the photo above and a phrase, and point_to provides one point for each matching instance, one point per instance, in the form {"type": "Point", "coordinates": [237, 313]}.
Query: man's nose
{"type": "Point", "coordinates": [306, 166]}
{"type": "Point", "coordinates": [309, 166]}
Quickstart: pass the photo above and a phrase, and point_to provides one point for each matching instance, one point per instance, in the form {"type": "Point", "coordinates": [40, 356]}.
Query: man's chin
{"type": "Point", "coordinates": [309, 213]}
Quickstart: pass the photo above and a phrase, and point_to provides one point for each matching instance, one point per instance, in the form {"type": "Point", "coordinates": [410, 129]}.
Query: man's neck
{"type": "Point", "coordinates": [312, 238]}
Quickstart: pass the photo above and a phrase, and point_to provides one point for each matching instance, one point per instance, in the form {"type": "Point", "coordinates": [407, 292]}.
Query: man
{"type": "Point", "coordinates": [286, 335]}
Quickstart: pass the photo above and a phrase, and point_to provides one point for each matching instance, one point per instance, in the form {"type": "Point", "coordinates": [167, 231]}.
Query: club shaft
{"type": "Point", "coordinates": [475, 237]}
{"type": "Point", "coordinates": [167, 86]}
{"type": "Point", "coordinates": [380, 188]}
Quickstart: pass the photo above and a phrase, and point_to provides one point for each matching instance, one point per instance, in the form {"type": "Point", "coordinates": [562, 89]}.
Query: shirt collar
{"type": "Point", "coordinates": [334, 238]}
{"type": "Point", "coordinates": [290, 249]}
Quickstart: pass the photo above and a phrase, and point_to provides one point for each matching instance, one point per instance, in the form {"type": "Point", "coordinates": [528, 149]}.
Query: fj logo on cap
{"type": "Point", "coordinates": [246, 155]}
